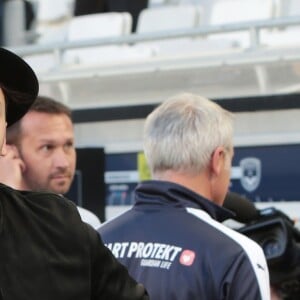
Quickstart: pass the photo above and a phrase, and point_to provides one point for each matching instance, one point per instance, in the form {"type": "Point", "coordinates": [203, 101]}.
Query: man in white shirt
{"type": "Point", "coordinates": [44, 148]}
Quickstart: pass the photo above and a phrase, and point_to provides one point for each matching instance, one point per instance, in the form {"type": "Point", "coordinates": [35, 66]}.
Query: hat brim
{"type": "Point", "coordinates": [17, 76]}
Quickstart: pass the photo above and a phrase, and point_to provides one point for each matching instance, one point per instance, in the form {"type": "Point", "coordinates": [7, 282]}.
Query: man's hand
{"type": "Point", "coordinates": [11, 168]}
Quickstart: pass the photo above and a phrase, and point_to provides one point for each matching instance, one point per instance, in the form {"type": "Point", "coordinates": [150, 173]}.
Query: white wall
{"type": "Point", "coordinates": [251, 128]}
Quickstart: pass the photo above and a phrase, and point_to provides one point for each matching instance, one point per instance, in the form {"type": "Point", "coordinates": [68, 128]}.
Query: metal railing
{"type": "Point", "coordinates": [253, 28]}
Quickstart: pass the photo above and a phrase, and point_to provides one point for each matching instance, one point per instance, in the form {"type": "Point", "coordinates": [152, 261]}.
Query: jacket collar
{"type": "Point", "coordinates": [165, 193]}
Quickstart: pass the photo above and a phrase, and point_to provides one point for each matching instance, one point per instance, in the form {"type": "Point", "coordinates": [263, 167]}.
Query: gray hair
{"type": "Point", "coordinates": [182, 133]}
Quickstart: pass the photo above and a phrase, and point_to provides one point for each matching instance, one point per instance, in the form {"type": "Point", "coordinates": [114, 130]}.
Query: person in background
{"type": "Point", "coordinates": [46, 251]}
{"type": "Point", "coordinates": [87, 7]}
{"type": "Point", "coordinates": [44, 143]}
{"type": "Point", "coordinates": [134, 7]}
{"type": "Point", "coordinates": [172, 239]}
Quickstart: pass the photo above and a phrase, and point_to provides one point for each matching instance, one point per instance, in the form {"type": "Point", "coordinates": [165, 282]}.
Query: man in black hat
{"type": "Point", "coordinates": [46, 252]}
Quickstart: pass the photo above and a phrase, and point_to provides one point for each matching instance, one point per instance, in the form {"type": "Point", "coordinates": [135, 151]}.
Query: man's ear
{"type": "Point", "coordinates": [22, 166]}
{"type": "Point", "coordinates": [217, 161]}
{"type": "Point", "coordinates": [17, 155]}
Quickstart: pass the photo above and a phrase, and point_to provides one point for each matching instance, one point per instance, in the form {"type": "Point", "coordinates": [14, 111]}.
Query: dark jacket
{"type": "Point", "coordinates": [46, 252]}
{"type": "Point", "coordinates": [170, 241]}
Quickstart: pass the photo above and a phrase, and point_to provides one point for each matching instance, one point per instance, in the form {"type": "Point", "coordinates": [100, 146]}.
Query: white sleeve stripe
{"type": "Point", "coordinates": [252, 249]}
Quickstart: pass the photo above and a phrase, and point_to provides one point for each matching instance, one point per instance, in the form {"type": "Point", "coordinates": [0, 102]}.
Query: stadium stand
{"type": "Point", "coordinates": [52, 20]}
{"type": "Point", "coordinates": [178, 18]}
{"type": "Point", "coordinates": [246, 10]}
{"type": "Point", "coordinates": [284, 37]}
{"type": "Point", "coordinates": [171, 18]}
{"type": "Point", "coordinates": [95, 26]}
{"type": "Point", "coordinates": [183, 38]}
{"type": "Point", "coordinates": [50, 27]}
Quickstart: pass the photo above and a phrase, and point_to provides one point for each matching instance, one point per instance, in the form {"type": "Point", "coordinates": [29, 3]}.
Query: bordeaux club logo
{"type": "Point", "coordinates": [250, 173]}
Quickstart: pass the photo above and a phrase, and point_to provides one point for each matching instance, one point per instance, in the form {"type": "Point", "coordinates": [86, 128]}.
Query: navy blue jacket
{"type": "Point", "coordinates": [172, 242]}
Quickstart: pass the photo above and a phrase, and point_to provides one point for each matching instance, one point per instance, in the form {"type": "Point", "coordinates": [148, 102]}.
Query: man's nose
{"type": "Point", "coordinates": [61, 159]}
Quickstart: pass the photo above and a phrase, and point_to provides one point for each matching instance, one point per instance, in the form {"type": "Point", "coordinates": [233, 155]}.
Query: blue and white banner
{"type": "Point", "coordinates": [262, 173]}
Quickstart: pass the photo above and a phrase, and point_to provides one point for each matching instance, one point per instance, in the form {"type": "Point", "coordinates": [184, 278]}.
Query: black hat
{"type": "Point", "coordinates": [17, 76]}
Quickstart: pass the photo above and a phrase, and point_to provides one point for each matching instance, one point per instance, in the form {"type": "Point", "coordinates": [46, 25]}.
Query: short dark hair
{"type": "Point", "coordinates": [50, 106]}
{"type": "Point", "coordinates": [42, 104]}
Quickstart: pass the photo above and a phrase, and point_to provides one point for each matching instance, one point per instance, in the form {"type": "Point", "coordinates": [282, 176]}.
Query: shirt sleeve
{"type": "Point", "coordinates": [247, 278]}
{"type": "Point", "coordinates": [110, 279]}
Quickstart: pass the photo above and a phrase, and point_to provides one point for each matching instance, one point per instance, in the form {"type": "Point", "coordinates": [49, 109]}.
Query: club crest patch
{"type": "Point", "coordinates": [251, 173]}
